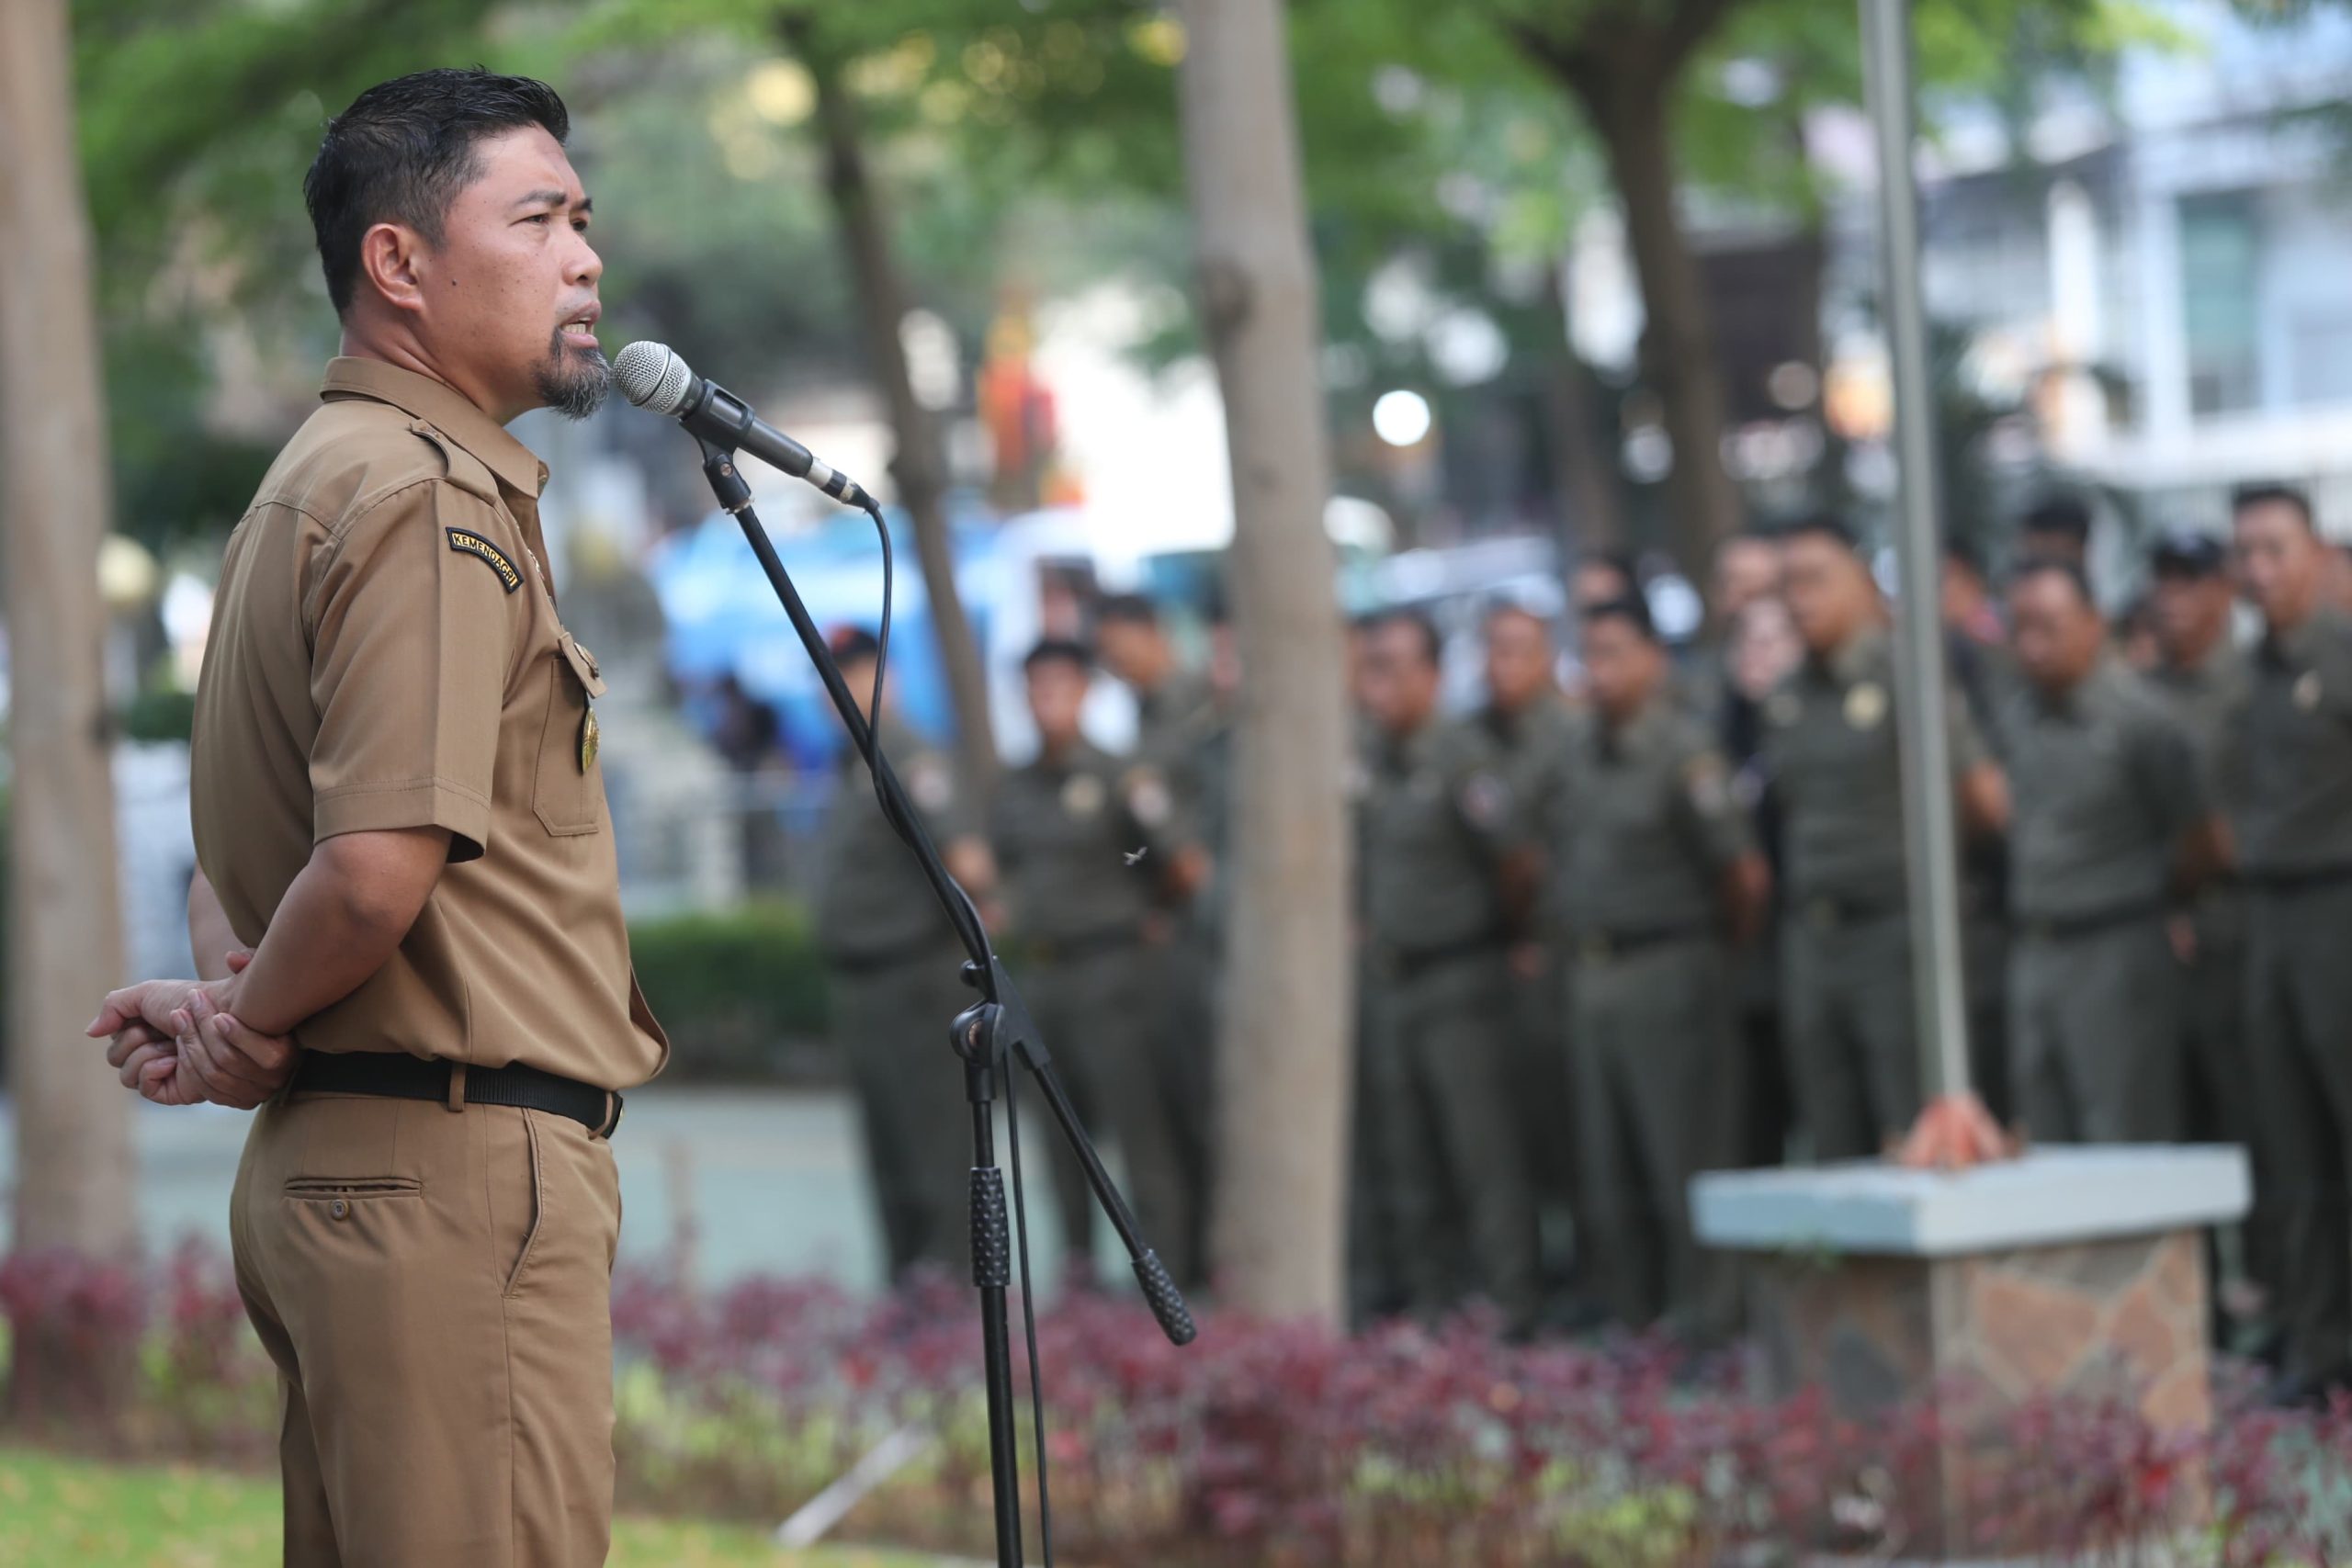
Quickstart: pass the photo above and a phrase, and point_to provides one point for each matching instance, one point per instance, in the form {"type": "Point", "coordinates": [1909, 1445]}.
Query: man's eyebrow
{"type": "Point", "coordinates": [552, 198]}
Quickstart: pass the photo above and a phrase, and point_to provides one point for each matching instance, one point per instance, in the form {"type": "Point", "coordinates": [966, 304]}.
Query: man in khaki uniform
{"type": "Point", "coordinates": [1525, 718]}
{"type": "Point", "coordinates": [1085, 841]}
{"type": "Point", "coordinates": [1178, 725]}
{"type": "Point", "coordinates": [2112, 824]}
{"type": "Point", "coordinates": [1657, 872]}
{"type": "Point", "coordinates": [1846, 939]}
{"type": "Point", "coordinates": [2204, 676]}
{"type": "Point", "coordinates": [2294, 837]}
{"type": "Point", "coordinates": [894, 977]}
{"type": "Point", "coordinates": [1440, 833]}
{"type": "Point", "coordinates": [398, 806]}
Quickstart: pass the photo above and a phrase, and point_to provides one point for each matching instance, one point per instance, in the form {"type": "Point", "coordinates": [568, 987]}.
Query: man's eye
{"type": "Point", "coordinates": [539, 218]}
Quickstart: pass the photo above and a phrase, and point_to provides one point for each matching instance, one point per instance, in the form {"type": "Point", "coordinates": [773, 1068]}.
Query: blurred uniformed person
{"type": "Point", "coordinates": [398, 803]}
{"type": "Point", "coordinates": [1084, 841]}
{"type": "Point", "coordinates": [1440, 830]}
{"type": "Point", "coordinates": [1657, 872]}
{"type": "Point", "coordinates": [894, 975]}
{"type": "Point", "coordinates": [2294, 838]}
{"type": "Point", "coordinates": [1985, 672]}
{"type": "Point", "coordinates": [1526, 720]}
{"type": "Point", "coordinates": [1846, 939]}
{"type": "Point", "coordinates": [2204, 676]}
{"type": "Point", "coordinates": [2111, 825]}
{"type": "Point", "coordinates": [1177, 719]}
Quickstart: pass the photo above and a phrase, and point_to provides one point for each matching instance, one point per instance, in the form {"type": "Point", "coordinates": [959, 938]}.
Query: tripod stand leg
{"type": "Point", "coordinates": [993, 1274]}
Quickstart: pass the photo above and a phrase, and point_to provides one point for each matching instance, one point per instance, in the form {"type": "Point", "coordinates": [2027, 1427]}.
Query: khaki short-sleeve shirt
{"type": "Point", "coordinates": [385, 653]}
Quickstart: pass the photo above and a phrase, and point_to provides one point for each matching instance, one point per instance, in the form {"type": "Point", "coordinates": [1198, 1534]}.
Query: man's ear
{"type": "Point", "coordinates": [391, 263]}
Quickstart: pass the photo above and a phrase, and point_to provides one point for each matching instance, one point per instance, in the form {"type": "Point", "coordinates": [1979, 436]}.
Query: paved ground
{"type": "Point", "coordinates": [773, 1181]}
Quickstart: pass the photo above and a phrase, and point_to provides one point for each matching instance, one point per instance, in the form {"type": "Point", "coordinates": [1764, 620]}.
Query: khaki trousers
{"type": "Point", "coordinates": [436, 1288]}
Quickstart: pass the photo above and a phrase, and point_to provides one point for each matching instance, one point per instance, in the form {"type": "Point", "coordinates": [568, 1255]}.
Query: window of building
{"type": "Point", "coordinates": [2220, 252]}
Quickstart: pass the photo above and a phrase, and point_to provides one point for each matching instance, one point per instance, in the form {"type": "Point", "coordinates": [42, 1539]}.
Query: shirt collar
{"type": "Point", "coordinates": [2300, 646]}
{"type": "Point", "coordinates": [1862, 654]}
{"type": "Point", "coordinates": [446, 409]}
{"type": "Point", "coordinates": [1632, 741]}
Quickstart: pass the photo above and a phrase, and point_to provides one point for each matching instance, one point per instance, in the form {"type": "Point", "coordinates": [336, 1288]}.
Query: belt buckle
{"type": "Point", "coordinates": [609, 1128]}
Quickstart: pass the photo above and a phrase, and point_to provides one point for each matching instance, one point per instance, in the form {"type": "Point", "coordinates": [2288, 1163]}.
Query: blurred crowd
{"type": "Point", "coordinates": [1651, 918]}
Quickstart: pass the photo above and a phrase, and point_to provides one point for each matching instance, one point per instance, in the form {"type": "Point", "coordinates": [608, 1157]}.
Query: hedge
{"type": "Point", "coordinates": [741, 992]}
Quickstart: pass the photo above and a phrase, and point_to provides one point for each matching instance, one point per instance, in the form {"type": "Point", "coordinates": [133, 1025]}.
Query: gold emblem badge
{"type": "Point", "coordinates": [2307, 691]}
{"type": "Point", "coordinates": [1865, 704]}
{"type": "Point", "coordinates": [588, 741]}
{"type": "Point", "coordinates": [1082, 796]}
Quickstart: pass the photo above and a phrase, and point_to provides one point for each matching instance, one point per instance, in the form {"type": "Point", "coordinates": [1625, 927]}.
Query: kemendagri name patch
{"type": "Point", "coordinates": [475, 545]}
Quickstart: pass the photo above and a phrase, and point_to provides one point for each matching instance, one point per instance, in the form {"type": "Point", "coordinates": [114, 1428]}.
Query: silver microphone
{"type": "Point", "coordinates": [652, 377]}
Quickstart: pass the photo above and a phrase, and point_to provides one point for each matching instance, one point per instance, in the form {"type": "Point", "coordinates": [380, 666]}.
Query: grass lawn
{"type": "Point", "coordinates": [56, 1511]}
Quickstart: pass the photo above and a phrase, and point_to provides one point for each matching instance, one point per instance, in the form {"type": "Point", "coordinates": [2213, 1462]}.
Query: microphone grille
{"type": "Point", "coordinates": [651, 377]}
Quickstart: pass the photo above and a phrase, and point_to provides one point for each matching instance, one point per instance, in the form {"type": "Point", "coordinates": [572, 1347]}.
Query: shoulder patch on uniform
{"type": "Point", "coordinates": [1709, 784]}
{"type": "Point", "coordinates": [468, 542]}
{"type": "Point", "coordinates": [932, 783]}
{"type": "Point", "coordinates": [1148, 798]}
{"type": "Point", "coordinates": [1484, 798]}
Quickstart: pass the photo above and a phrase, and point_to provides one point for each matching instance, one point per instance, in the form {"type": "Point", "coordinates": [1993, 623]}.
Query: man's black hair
{"type": "Point", "coordinates": [1631, 608]}
{"type": "Point", "coordinates": [1057, 650]}
{"type": "Point", "coordinates": [2066, 515]}
{"type": "Point", "coordinates": [851, 644]}
{"type": "Point", "coordinates": [402, 152]}
{"type": "Point", "coordinates": [1825, 524]}
{"type": "Point", "coordinates": [2268, 492]}
{"type": "Point", "coordinates": [2034, 566]}
{"type": "Point", "coordinates": [1433, 646]}
{"type": "Point", "coordinates": [1616, 562]}
{"type": "Point", "coordinates": [1127, 609]}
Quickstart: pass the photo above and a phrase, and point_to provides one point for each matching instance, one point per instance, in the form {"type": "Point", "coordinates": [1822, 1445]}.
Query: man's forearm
{"type": "Point", "coordinates": [341, 920]}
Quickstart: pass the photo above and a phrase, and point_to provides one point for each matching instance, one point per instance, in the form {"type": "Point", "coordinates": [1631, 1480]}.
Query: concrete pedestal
{"type": "Point", "coordinates": [2070, 1271]}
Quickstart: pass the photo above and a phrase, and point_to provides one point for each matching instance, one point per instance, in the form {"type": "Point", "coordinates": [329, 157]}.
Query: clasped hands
{"type": "Point", "coordinates": [179, 1043]}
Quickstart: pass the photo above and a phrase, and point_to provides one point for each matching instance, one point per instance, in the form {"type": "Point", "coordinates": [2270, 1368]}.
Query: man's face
{"type": "Point", "coordinates": [1622, 667]}
{"type": "Point", "coordinates": [2281, 560]}
{"type": "Point", "coordinates": [1056, 696]}
{"type": "Point", "coordinates": [1599, 581]}
{"type": "Point", "coordinates": [857, 674]}
{"type": "Point", "coordinates": [1400, 679]}
{"type": "Point", "coordinates": [1518, 658]}
{"type": "Point", "coordinates": [2057, 635]}
{"type": "Point", "coordinates": [507, 301]}
{"type": "Point", "coordinates": [1828, 592]}
{"type": "Point", "coordinates": [1129, 650]}
{"type": "Point", "coordinates": [2190, 612]}
{"type": "Point", "coordinates": [1747, 569]}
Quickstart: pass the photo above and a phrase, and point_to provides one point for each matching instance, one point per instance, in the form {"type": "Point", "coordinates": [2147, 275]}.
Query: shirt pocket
{"type": "Point", "coordinates": [567, 786]}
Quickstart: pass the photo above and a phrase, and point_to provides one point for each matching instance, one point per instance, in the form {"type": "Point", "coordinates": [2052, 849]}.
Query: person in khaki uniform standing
{"type": "Point", "coordinates": [1846, 936]}
{"type": "Point", "coordinates": [1525, 719]}
{"type": "Point", "coordinates": [2293, 826]}
{"type": "Point", "coordinates": [1178, 736]}
{"type": "Point", "coordinates": [1657, 874]}
{"type": "Point", "coordinates": [894, 973]}
{"type": "Point", "coordinates": [1086, 841]}
{"type": "Point", "coordinates": [398, 808]}
{"type": "Point", "coordinates": [2112, 828]}
{"type": "Point", "coordinates": [2203, 676]}
{"type": "Point", "coordinates": [1444, 848]}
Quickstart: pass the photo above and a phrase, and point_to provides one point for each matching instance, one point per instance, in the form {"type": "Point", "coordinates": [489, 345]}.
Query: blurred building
{"type": "Point", "coordinates": [2152, 268]}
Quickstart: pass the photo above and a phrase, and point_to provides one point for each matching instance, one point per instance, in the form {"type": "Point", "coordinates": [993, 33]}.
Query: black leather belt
{"type": "Point", "coordinates": [2057, 928]}
{"type": "Point", "coordinates": [1406, 963]}
{"type": "Point", "coordinates": [1067, 950]}
{"type": "Point", "coordinates": [1829, 912]}
{"type": "Point", "coordinates": [396, 1075]}
{"type": "Point", "coordinates": [2300, 880]}
{"type": "Point", "coordinates": [1602, 946]}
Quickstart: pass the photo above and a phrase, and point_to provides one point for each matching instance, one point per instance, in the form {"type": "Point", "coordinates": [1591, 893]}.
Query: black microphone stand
{"type": "Point", "coordinates": [988, 1036]}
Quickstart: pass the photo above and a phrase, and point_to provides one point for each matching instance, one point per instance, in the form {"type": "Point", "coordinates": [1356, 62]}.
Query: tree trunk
{"type": "Point", "coordinates": [920, 463]}
{"type": "Point", "coordinates": [73, 1157]}
{"type": "Point", "coordinates": [1631, 112]}
{"type": "Point", "coordinates": [1584, 470]}
{"type": "Point", "coordinates": [1277, 1228]}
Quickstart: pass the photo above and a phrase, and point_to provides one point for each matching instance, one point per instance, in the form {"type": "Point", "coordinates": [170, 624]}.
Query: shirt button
{"type": "Point", "coordinates": [339, 1209]}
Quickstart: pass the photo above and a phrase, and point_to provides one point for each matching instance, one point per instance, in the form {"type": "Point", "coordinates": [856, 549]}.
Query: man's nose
{"type": "Point", "coordinates": [587, 266]}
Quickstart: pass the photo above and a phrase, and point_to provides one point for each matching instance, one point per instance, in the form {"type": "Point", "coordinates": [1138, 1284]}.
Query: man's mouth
{"type": "Point", "coordinates": [579, 329]}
